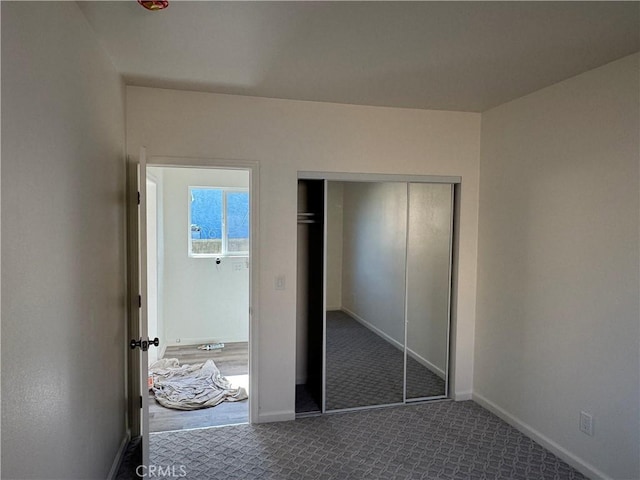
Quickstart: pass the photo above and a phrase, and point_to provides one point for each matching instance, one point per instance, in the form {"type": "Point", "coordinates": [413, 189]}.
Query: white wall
{"type": "Point", "coordinates": [202, 301]}
{"type": "Point", "coordinates": [374, 255]}
{"type": "Point", "coordinates": [63, 309]}
{"type": "Point", "coordinates": [557, 313]}
{"type": "Point", "coordinates": [290, 136]}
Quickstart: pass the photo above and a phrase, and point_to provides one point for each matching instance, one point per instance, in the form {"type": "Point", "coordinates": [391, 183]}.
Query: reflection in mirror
{"type": "Point", "coordinates": [365, 288]}
{"type": "Point", "coordinates": [428, 288]}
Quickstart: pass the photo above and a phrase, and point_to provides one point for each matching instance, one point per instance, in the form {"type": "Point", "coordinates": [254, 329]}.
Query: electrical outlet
{"type": "Point", "coordinates": [280, 282]}
{"type": "Point", "coordinates": [586, 423]}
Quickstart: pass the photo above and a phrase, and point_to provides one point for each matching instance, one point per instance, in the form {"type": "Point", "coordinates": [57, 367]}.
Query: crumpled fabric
{"type": "Point", "coordinates": [190, 387]}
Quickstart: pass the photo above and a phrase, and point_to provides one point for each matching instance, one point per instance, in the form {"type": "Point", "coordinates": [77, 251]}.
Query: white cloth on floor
{"type": "Point", "coordinates": [190, 387]}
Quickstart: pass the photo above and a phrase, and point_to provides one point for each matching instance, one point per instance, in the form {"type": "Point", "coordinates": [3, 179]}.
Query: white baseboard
{"type": "Point", "coordinates": [270, 417]}
{"type": "Point", "coordinates": [463, 396]}
{"type": "Point", "coordinates": [426, 363]}
{"type": "Point", "coordinates": [200, 341]}
{"type": "Point", "coordinates": [576, 462]}
{"type": "Point", "coordinates": [374, 329]}
{"type": "Point", "coordinates": [119, 454]}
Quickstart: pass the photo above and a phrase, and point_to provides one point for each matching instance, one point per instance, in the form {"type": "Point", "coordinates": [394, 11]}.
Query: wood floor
{"type": "Point", "coordinates": [232, 360]}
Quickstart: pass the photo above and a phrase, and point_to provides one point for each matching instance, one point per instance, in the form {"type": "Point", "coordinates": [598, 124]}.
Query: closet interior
{"type": "Point", "coordinates": [374, 291]}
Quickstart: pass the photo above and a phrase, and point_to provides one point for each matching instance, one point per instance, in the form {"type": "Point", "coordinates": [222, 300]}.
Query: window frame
{"type": "Point", "coordinates": [224, 224]}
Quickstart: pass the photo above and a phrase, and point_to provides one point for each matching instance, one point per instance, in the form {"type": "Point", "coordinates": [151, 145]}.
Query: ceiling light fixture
{"type": "Point", "coordinates": [154, 5]}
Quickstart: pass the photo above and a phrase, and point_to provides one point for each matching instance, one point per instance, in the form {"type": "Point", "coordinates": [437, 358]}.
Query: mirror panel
{"type": "Point", "coordinates": [366, 252]}
{"type": "Point", "coordinates": [428, 288]}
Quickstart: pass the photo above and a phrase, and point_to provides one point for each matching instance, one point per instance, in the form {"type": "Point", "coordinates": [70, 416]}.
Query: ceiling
{"type": "Point", "coordinates": [464, 56]}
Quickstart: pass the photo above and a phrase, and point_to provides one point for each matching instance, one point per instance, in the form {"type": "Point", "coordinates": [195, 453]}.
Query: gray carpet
{"type": "Point", "coordinates": [438, 440]}
{"type": "Point", "coordinates": [364, 369]}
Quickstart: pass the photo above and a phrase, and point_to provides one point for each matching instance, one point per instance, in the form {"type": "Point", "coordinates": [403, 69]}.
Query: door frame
{"type": "Point", "coordinates": [152, 281]}
{"type": "Point", "coordinates": [133, 371]}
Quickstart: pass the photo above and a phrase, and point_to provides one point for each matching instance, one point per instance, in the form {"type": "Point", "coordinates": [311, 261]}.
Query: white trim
{"type": "Point", "coordinates": [115, 466]}
{"type": "Point", "coordinates": [463, 396]}
{"type": "Point", "coordinates": [426, 363]}
{"type": "Point", "coordinates": [199, 341]}
{"type": "Point", "coordinates": [282, 416]}
{"type": "Point", "coordinates": [200, 162]}
{"type": "Point", "coordinates": [576, 462]}
{"type": "Point", "coordinates": [374, 329]}
{"type": "Point", "coordinates": [254, 272]}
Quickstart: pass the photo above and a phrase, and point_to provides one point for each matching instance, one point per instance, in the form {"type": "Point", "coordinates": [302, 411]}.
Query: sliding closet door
{"type": "Point", "coordinates": [429, 243]}
{"type": "Point", "coordinates": [366, 247]}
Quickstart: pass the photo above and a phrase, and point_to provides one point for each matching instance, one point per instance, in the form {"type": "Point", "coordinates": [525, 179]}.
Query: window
{"type": "Point", "coordinates": [219, 222]}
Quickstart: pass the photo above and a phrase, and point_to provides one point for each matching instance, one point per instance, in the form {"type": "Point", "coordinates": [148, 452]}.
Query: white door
{"type": "Point", "coordinates": [140, 341]}
{"type": "Point", "coordinates": [142, 259]}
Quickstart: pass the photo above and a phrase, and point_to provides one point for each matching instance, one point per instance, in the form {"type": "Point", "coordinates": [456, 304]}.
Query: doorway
{"type": "Point", "coordinates": [198, 293]}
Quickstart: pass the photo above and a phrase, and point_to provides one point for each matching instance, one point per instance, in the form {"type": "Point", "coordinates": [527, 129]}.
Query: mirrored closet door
{"type": "Point", "coordinates": [386, 249]}
{"type": "Point", "coordinates": [365, 294]}
{"type": "Point", "coordinates": [429, 240]}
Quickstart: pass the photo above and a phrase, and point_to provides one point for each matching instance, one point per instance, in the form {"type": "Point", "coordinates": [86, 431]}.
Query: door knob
{"type": "Point", "coordinates": [144, 344]}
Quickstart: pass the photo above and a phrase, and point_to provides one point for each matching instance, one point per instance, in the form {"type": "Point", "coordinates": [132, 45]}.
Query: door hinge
{"type": "Point", "coordinates": [138, 198]}
{"type": "Point", "coordinates": [140, 401]}
{"type": "Point", "coordinates": [139, 301]}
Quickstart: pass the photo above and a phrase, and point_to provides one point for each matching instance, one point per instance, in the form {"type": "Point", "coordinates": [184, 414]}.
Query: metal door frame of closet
{"type": "Point", "coordinates": [454, 181]}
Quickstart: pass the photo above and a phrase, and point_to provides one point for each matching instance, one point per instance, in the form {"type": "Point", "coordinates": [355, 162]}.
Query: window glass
{"type": "Point", "coordinates": [214, 229]}
{"type": "Point", "coordinates": [237, 222]}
